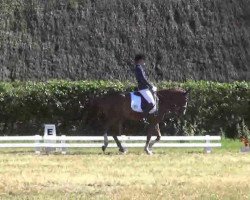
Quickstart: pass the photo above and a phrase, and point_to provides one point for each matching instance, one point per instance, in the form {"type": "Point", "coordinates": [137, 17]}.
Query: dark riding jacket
{"type": "Point", "coordinates": [141, 78]}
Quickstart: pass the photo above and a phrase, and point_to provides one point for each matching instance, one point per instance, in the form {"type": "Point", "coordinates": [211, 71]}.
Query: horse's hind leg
{"type": "Point", "coordinates": [106, 128]}
{"type": "Point", "coordinates": [106, 142]}
{"type": "Point", "coordinates": [158, 134]}
{"type": "Point", "coordinates": [121, 148]}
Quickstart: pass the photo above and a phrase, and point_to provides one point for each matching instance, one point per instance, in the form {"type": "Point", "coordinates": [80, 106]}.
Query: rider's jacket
{"type": "Point", "coordinates": [141, 78]}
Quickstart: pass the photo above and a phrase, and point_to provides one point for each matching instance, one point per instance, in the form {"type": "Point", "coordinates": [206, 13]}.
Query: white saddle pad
{"type": "Point", "coordinates": [136, 101]}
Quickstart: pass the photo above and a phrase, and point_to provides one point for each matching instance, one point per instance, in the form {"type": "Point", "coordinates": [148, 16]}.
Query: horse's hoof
{"type": "Point", "coordinates": [123, 151]}
{"type": "Point", "coordinates": [103, 148]}
{"type": "Point", "coordinates": [149, 152]}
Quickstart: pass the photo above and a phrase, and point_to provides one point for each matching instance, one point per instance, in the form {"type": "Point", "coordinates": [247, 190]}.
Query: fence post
{"type": "Point", "coordinates": [207, 149]}
{"type": "Point", "coordinates": [63, 141]}
{"type": "Point", "coordinates": [37, 141]}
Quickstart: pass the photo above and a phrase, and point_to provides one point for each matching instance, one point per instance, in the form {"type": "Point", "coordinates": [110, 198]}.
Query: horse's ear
{"type": "Point", "coordinates": [188, 91]}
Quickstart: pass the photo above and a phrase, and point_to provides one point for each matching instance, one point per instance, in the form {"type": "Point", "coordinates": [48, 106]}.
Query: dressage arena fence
{"type": "Point", "coordinates": [62, 143]}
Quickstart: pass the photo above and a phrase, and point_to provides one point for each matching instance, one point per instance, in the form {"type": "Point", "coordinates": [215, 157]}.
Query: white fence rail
{"type": "Point", "coordinates": [63, 142]}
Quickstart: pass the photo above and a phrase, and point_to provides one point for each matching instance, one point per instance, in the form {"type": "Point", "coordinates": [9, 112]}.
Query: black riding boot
{"type": "Point", "coordinates": [146, 114]}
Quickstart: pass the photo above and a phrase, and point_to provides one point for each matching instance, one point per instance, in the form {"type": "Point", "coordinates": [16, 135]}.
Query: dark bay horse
{"type": "Point", "coordinates": [116, 108]}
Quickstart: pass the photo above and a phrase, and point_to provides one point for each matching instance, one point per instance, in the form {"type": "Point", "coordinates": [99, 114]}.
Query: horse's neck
{"type": "Point", "coordinates": [164, 101]}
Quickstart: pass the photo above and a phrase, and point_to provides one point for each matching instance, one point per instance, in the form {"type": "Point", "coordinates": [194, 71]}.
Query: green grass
{"type": "Point", "coordinates": [230, 145]}
{"type": "Point", "coordinates": [89, 174]}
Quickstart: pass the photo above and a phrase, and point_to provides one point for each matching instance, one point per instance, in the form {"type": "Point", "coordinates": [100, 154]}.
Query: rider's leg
{"type": "Point", "coordinates": [146, 109]}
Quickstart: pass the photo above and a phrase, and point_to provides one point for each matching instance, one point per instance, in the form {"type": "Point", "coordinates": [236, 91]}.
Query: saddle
{"type": "Point", "coordinates": [143, 101]}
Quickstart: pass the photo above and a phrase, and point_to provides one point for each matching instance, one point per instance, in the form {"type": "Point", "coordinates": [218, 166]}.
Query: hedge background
{"type": "Point", "coordinates": [213, 108]}
{"type": "Point", "coordinates": [98, 39]}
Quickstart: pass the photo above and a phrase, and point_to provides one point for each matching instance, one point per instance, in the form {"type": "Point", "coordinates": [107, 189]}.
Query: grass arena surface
{"type": "Point", "coordinates": [89, 174]}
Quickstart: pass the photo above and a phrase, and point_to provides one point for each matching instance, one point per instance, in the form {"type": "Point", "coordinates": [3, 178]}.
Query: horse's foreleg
{"type": "Point", "coordinates": [158, 136]}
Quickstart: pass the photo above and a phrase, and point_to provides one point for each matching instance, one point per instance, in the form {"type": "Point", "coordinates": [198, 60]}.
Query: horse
{"type": "Point", "coordinates": [114, 109]}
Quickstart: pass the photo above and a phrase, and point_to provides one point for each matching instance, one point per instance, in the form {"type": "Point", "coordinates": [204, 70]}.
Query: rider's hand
{"type": "Point", "coordinates": [154, 88]}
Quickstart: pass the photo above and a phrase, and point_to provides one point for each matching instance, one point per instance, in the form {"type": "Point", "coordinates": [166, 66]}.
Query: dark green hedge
{"type": "Point", "coordinates": [214, 108]}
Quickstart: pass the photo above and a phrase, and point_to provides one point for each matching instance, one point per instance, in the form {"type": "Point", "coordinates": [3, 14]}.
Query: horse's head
{"type": "Point", "coordinates": [174, 100]}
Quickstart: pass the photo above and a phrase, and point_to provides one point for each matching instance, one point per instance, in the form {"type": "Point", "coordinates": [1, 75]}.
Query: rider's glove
{"type": "Point", "coordinates": [154, 88]}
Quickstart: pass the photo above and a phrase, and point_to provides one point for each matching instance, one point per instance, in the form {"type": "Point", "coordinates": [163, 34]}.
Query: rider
{"type": "Point", "coordinates": [143, 82]}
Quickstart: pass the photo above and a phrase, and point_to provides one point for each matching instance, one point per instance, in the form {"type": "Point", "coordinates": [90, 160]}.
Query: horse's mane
{"type": "Point", "coordinates": [172, 90]}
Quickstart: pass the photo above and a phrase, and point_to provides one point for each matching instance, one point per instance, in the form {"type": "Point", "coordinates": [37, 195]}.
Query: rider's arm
{"type": "Point", "coordinates": [141, 76]}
